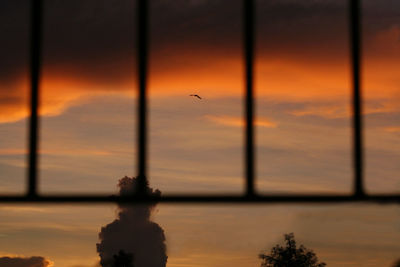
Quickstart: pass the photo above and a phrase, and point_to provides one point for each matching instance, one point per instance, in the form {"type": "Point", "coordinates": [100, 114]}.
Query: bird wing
{"type": "Point", "coordinates": [196, 96]}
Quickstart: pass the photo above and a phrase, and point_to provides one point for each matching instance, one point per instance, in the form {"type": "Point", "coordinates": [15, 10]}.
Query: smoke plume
{"type": "Point", "coordinates": [24, 262]}
{"type": "Point", "coordinates": [133, 233]}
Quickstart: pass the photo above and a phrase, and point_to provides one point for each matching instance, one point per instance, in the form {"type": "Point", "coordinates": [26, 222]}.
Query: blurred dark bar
{"type": "Point", "coordinates": [249, 60]}
{"type": "Point", "coordinates": [36, 39]}
{"type": "Point", "coordinates": [185, 199]}
{"type": "Point", "coordinates": [355, 39]}
{"type": "Point", "coordinates": [142, 55]}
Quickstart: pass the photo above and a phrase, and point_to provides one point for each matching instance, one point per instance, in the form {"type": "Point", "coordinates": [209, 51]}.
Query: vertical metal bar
{"type": "Point", "coordinates": [35, 64]}
{"type": "Point", "coordinates": [355, 38]}
{"type": "Point", "coordinates": [142, 54]}
{"type": "Point", "coordinates": [249, 58]}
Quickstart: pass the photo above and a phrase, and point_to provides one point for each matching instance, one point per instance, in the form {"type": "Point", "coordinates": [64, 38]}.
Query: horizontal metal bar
{"type": "Point", "coordinates": [182, 199]}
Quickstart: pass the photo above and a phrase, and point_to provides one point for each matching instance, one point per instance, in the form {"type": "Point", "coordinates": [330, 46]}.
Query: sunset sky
{"type": "Point", "coordinates": [303, 126]}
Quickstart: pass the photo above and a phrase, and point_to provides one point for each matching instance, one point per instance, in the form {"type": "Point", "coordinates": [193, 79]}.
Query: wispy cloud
{"type": "Point", "coordinates": [54, 152]}
{"type": "Point", "coordinates": [239, 122]}
{"type": "Point", "coordinates": [325, 111]}
{"type": "Point", "coordinates": [24, 209]}
{"type": "Point", "coordinates": [392, 129]}
{"type": "Point", "coordinates": [341, 109]}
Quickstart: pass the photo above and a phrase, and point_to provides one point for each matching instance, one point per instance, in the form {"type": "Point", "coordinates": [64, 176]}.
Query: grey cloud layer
{"type": "Point", "coordinates": [24, 262]}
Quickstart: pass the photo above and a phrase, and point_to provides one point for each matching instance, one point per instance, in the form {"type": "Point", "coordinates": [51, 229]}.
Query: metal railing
{"type": "Point", "coordinates": [250, 195]}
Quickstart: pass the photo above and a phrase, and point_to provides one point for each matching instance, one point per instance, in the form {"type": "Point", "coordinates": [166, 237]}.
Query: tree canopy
{"type": "Point", "coordinates": [123, 259]}
{"type": "Point", "coordinates": [290, 255]}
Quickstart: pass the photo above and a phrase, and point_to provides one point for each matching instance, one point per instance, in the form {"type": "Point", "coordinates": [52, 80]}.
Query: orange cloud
{"type": "Point", "coordinates": [56, 95]}
{"type": "Point", "coordinates": [239, 122]}
{"type": "Point", "coordinates": [220, 75]}
{"type": "Point", "coordinates": [13, 113]}
{"type": "Point", "coordinates": [216, 77]}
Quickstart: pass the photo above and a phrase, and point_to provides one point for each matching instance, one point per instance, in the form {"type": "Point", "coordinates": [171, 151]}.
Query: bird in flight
{"type": "Point", "coordinates": [196, 96]}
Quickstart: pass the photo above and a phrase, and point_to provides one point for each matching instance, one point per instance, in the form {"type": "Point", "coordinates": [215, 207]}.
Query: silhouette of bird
{"type": "Point", "coordinates": [196, 96]}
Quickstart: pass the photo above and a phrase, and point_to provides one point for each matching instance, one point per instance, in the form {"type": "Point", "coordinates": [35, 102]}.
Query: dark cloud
{"type": "Point", "coordinates": [14, 37]}
{"type": "Point", "coordinates": [93, 39]}
{"type": "Point", "coordinates": [83, 39]}
{"type": "Point", "coordinates": [133, 232]}
{"type": "Point", "coordinates": [96, 39]}
{"type": "Point", "coordinates": [35, 261]}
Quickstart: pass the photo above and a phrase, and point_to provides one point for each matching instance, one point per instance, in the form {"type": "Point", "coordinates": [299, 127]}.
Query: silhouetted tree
{"type": "Point", "coordinates": [290, 255]}
{"type": "Point", "coordinates": [123, 259]}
